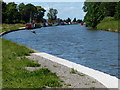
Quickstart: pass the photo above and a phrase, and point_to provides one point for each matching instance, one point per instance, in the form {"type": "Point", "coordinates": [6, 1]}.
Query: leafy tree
{"type": "Point", "coordinates": [52, 15]}
{"type": "Point", "coordinates": [68, 20]}
{"type": "Point", "coordinates": [96, 11]}
{"type": "Point", "coordinates": [108, 8]}
{"type": "Point", "coordinates": [4, 16]}
{"type": "Point", "coordinates": [12, 13]}
{"type": "Point", "coordinates": [74, 20]}
{"type": "Point", "coordinates": [39, 14]}
{"type": "Point", "coordinates": [21, 7]}
{"type": "Point", "coordinates": [93, 15]}
{"type": "Point", "coordinates": [117, 13]}
{"type": "Point", "coordinates": [79, 21]}
{"type": "Point", "coordinates": [29, 12]}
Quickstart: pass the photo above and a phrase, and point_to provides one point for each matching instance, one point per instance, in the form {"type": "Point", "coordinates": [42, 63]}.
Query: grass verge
{"type": "Point", "coordinates": [8, 27]}
{"type": "Point", "coordinates": [14, 73]}
{"type": "Point", "coordinates": [109, 24]}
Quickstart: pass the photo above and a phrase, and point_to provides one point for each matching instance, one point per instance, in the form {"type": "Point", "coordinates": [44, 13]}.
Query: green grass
{"type": "Point", "coordinates": [55, 66]}
{"type": "Point", "coordinates": [108, 23]}
{"type": "Point", "coordinates": [14, 73]}
{"type": "Point", "coordinates": [81, 74]}
{"type": "Point", "coordinates": [92, 88]}
{"type": "Point", "coordinates": [73, 71]}
{"type": "Point", "coordinates": [87, 83]}
{"type": "Point", "coordinates": [93, 81]}
{"type": "Point", "coordinates": [8, 27]}
{"type": "Point", "coordinates": [67, 84]}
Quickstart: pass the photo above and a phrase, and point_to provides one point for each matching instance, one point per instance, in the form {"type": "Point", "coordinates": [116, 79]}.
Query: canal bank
{"type": "Point", "coordinates": [3, 33]}
{"type": "Point", "coordinates": [14, 74]}
{"type": "Point", "coordinates": [72, 43]}
{"type": "Point", "coordinates": [72, 75]}
{"type": "Point", "coordinates": [71, 78]}
{"type": "Point", "coordinates": [97, 76]}
{"type": "Point", "coordinates": [40, 70]}
{"type": "Point", "coordinates": [109, 24]}
{"type": "Point", "coordinates": [86, 47]}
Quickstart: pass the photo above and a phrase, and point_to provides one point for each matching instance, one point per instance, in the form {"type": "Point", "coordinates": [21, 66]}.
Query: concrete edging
{"type": "Point", "coordinates": [106, 79]}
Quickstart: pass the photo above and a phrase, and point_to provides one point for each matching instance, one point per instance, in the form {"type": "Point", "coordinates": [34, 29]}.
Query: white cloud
{"type": "Point", "coordinates": [46, 8]}
{"type": "Point", "coordinates": [71, 7]}
{"type": "Point", "coordinates": [66, 10]}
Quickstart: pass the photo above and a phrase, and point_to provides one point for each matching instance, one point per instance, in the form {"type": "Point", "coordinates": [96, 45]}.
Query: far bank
{"type": "Point", "coordinates": [109, 24]}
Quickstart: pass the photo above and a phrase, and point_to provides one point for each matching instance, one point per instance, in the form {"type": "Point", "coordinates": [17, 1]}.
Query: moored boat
{"type": "Point", "coordinates": [29, 26]}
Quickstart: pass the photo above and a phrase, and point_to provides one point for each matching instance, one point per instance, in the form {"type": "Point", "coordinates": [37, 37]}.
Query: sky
{"type": "Point", "coordinates": [65, 9]}
{"type": "Point", "coordinates": [43, 0]}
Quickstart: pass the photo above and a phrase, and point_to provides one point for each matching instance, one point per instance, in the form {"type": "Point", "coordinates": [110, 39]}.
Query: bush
{"type": "Point", "coordinates": [38, 25]}
{"type": "Point", "coordinates": [21, 21]}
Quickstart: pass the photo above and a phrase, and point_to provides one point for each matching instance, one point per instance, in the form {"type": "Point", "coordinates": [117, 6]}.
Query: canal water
{"type": "Point", "coordinates": [91, 48]}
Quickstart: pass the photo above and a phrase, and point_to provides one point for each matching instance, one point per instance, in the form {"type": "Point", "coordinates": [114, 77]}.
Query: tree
{"type": "Point", "coordinates": [117, 13]}
{"type": "Point", "coordinates": [52, 15]}
{"type": "Point", "coordinates": [4, 14]}
{"type": "Point", "coordinates": [21, 7]}
{"type": "Point", "coordinates": [79, 21]}
{"type": "Point", "coordinates": [96, 11]}
{"type": "Point", "coordinates": [68, 20]}
{"type": "Point", "coordinates": [108, 8]}
{"type": "Point", "coordinates": [94, 15]}
{"type": "Point", "coordinates": [74, 20]}
{"type": "Point", "coordinates": [39, 14]}
{"type": "Point", "coordinates": [12, 13]}
{"type": "Point", "coordinates": [29, 12]}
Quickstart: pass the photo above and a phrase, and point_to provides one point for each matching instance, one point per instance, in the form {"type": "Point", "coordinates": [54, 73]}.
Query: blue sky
{"type": "Point", "coordinates": [43, 0]}
{"type": "Point", "coordinates": [65, 9]}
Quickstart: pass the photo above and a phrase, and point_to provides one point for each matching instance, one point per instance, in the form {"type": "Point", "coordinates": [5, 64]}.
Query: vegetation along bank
{"type": "Point", "coordinates": [102, 15]}
{"type": "Point", "coordinates": [14, 73]}
{"type": "Point", "coordinates": [13, 13]}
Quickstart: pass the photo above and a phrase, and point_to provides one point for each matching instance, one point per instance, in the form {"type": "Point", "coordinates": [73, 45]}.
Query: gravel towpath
{"type": "Point", "coordinates": [70, 77]}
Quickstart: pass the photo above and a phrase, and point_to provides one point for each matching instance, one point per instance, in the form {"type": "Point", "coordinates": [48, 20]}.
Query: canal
{"type": "Point", "coordinates": [92, 48]}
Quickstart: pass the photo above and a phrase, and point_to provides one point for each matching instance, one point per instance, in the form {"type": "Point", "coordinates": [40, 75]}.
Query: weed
{"type": "Point", "coordinates": [81, 74]}
{"type": "Point", "coordinates": [33, 64]}
{"type": "Point", "coordinates": [92, 87]}
{"type": "Point", "coordinates": [73, 71]}
{"type": "Point", "coordinates": [93, 81]}
{"type": "Point", "coordinates": [87, 83]}
{"type": "Point", "coordinates": [67, 84]}
{"type": "Point", "coordinates": [55, 66]}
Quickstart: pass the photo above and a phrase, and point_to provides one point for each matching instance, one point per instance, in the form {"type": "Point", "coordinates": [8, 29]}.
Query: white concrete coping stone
{"type": "Point", "coordinates": [106, 79]}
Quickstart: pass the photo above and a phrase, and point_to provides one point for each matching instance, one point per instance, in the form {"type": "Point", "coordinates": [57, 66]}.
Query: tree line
{"type": "Point", "coordinates": [20, 13]}
{"type": "Point", "coordinates": [13, 13]}
{"type": "Point", "coordinates": [97, 11]}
